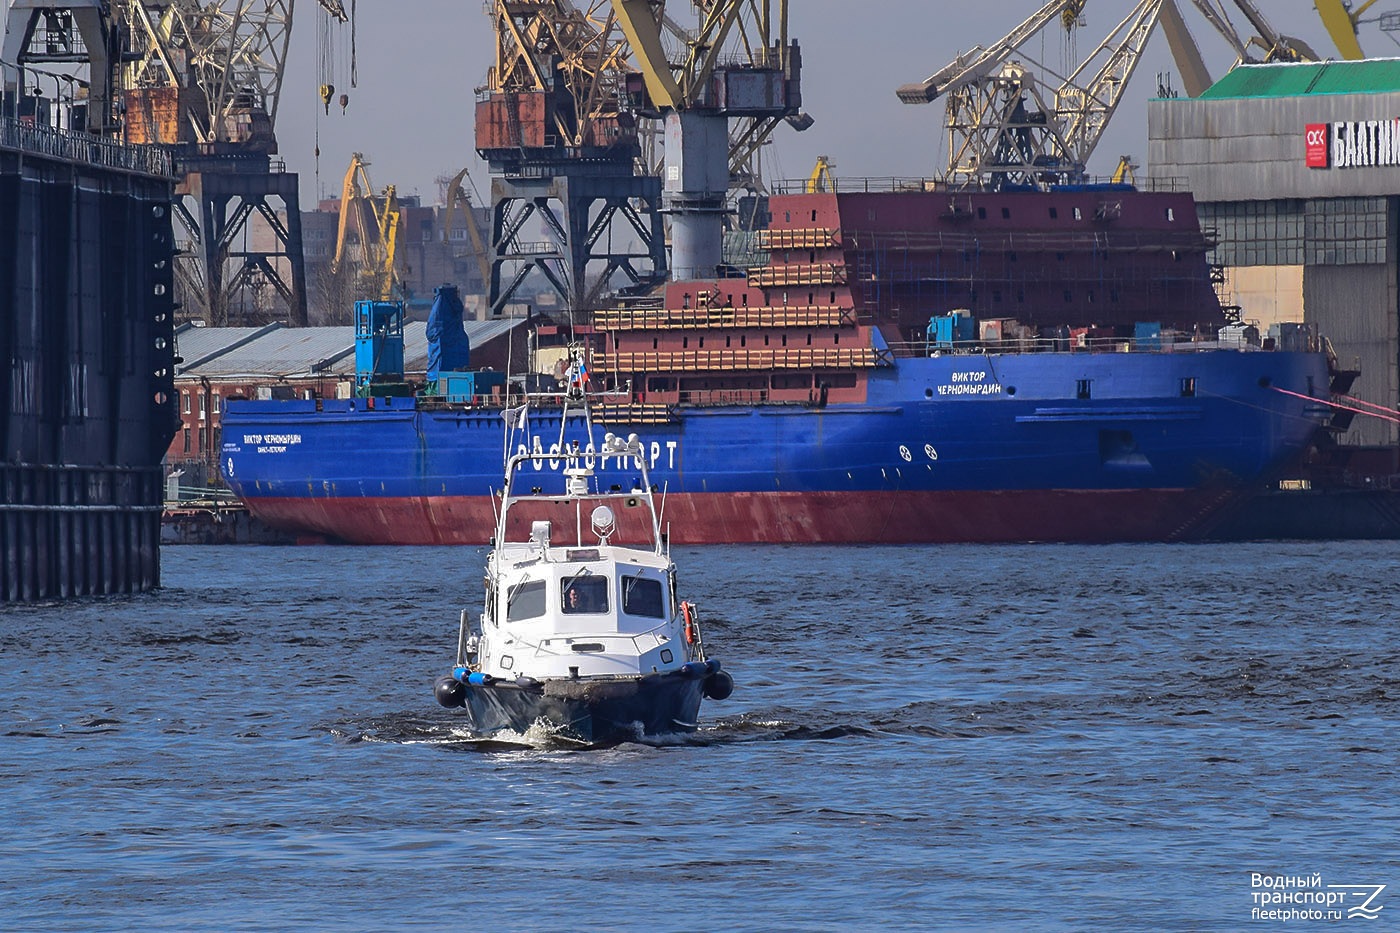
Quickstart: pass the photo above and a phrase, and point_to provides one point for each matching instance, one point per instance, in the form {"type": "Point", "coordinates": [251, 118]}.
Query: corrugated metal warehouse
{"type": "Point", "coordinates": [1297, 169]}
{"type": "Point", "coordinates": [219, 363]}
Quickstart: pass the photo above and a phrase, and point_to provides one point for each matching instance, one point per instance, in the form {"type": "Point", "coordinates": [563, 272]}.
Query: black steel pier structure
{"type": "Point", "coordinates": [87, 330]}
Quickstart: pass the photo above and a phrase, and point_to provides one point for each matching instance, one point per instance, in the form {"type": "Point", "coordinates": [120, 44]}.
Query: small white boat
{"type": "Point", "coordinates": [581, 633]}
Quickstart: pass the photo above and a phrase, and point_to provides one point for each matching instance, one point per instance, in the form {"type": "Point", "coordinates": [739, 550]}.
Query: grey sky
{"type": "Point", "coordinates": [420, 60]}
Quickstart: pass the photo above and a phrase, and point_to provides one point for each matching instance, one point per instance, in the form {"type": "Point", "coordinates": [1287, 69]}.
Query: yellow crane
{"type": "Point", "coordinates": [1341, 22]}
{"type": "Point", "coordinates": [456, 194]}
{"type": "Point", "coordinates": [377, 228]}
{"type": "Point", "coordinates": [822, 178]}
{"type": "Point", "coordinates": [1125, 173]}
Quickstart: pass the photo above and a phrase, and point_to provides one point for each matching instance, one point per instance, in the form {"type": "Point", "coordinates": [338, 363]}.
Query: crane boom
{"type": "Point", "coordinates": [458, 194]}
{"type": "Point", "coordinates": [980, 62]}
{"type": "Point", "coordinates": [1187, 55]}
{"type": "Point", "coordinates": [336, 9]}
{"type": "Point", "coordinates": [1085, 108]}
{"type": "Point", "coordinates": [644, 36]}
{"type": "Point", "coordinates": [1341, 25]}
{"type": "Point", "coordinates": [1006, 127]}
{"type": "Point", "coordinates": [1277, 47]}
{"type": "Point", "coordinates": [379, 242]}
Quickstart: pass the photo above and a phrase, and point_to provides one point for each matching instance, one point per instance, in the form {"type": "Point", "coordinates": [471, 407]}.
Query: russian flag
{"type": "Point", "coordinates": [580, 374]}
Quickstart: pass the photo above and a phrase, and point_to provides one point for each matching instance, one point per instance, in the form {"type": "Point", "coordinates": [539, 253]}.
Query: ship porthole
{"type": "Point", "coordinates": [928, 393]}
{"type": "Point", "coordinates": [1010, 390]}
{"type": "Point", "coordinates": [1264, 382]}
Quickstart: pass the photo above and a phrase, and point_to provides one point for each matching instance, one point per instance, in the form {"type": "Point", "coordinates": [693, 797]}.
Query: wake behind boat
{"type": "Point", "coordinates": [582, 629]}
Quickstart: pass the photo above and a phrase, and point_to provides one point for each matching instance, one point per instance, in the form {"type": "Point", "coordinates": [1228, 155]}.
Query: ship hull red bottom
{"type": "Point", "coordinates": [1086, 516]}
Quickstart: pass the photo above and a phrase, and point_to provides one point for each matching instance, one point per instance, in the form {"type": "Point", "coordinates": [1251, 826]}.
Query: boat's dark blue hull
{"type": "Point", "coordinates": [593, 711]}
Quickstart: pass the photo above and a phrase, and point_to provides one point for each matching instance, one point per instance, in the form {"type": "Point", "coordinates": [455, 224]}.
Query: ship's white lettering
{"type": "Point", "coordinates": [587, 455]}
{"type": "Point", "coordinates": [271, 443]}
{"type": "Point", "coordinates": [969, 377]}
{"type": "Point", "coordinates": [970, 388]}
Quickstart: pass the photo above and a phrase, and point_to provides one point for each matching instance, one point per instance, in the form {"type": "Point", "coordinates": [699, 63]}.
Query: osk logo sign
{"type": "Point", "coordinates": [1315, 136]}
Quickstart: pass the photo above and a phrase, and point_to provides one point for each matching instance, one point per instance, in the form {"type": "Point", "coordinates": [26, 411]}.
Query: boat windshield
{"type": "Point", "coordinates": [525, 601]}
{"type": "Point", "coordinates": [585, 593]}
{"type": "Point", "coordinates": [642, 597]}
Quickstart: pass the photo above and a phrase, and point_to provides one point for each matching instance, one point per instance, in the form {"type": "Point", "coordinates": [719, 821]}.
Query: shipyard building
{"type": "Point", "coordinates": [1296, 168]}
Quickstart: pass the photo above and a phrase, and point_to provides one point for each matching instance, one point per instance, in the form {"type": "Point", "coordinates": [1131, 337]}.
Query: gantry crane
{"type": "Point", "coordinates": [736, 63]}
{"type": "Point", "coordinates": [66, 34]}
{"type": "Point", "coordinates": [205, 80]}
{"type": "Point", "coordinates": [201, 79]}
{"type": "Point", "coordinates": [562, 148]}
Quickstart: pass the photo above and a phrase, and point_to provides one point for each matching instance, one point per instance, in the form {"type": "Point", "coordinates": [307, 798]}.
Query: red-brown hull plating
{"type": "Point", "coordinates": [1087, 516]}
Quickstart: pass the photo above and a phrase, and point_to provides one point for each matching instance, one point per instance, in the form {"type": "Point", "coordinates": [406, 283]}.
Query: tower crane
{"type": "Point", "coordinates": [1274, 45]}
{"type": "Point", "coordinates": [1269, 45]}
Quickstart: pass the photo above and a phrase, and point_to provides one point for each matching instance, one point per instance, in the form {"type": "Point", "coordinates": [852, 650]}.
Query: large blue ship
{"type": "Point", "coordinates": [859, 385]}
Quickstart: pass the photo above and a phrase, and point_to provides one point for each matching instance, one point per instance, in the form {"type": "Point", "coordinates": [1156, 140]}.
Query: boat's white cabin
{"type": "Point", "coordinates": [579, 611]}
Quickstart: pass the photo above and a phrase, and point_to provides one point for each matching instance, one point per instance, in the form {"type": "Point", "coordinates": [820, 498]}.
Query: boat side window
{"type": "Point", "coordinates": [525, 601]}
{"type": "Point", "coordinates": [585, 593]}
{"type": "Point", "coordinates": [643, 597]}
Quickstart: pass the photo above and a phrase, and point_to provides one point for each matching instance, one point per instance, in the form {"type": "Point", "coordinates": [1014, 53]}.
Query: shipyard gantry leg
{"type": "Point", "coordinates": [214, 208]}
{"type": "Point", "coordinates": [579, 213]}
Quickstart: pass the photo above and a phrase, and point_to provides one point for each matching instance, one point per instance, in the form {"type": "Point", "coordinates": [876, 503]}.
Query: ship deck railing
{"type": "Point", "coordinates": [921, 348]}
{"type": "Point", "coordinates": [931, 185]}
{"type": "Point", "coordinates": [73, 146]}
{"type": "Point", "coordinates": [737, 360]}
{"type": "Point", "coordinates": [709, 316]}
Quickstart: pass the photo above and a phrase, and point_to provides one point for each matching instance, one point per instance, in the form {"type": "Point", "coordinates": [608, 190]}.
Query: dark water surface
{"type": "Point", "coordinates": [1034, 737]}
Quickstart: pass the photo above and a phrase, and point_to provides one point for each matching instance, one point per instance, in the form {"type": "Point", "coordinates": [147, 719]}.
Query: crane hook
{"type": "Point", "coordinates": [344, 102]}
{"type": "Point", "coordinates": [326, 91]}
